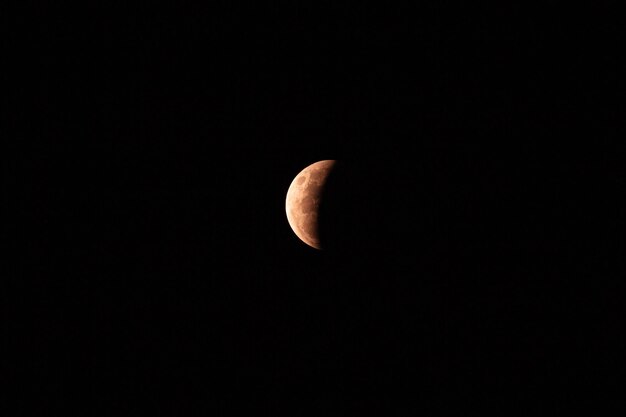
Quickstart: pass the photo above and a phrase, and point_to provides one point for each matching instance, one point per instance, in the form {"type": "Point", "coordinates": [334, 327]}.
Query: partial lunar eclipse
{"type": "Point", "coordinates": [303, 201]}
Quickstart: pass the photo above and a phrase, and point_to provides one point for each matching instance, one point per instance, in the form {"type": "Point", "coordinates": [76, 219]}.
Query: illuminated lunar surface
{"type": "Point", "coordinates": [303, 200]}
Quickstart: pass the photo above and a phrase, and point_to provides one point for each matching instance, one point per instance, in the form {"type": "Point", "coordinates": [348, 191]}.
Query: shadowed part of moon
{"type": "Point", "coordinates": [303, 201]}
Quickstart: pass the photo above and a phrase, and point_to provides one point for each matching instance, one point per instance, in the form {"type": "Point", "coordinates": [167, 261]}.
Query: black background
{"type": "Point", "coordinates": [475, 221]}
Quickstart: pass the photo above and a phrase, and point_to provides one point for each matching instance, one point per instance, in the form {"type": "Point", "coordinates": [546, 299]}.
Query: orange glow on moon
{"type": "Point", "coordinates": [303, 200]}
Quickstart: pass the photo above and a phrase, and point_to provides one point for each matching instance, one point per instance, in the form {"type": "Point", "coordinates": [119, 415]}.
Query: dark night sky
{"type": "Point", "coordinates": [475, 220]}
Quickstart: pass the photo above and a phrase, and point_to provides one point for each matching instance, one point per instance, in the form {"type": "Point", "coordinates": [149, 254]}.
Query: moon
{"type": "Point", "coordinates": [303, 200]}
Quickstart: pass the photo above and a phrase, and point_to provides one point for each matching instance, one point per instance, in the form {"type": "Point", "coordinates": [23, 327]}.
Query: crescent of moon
{"type": "Point", "coordinates": [303, 200]}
